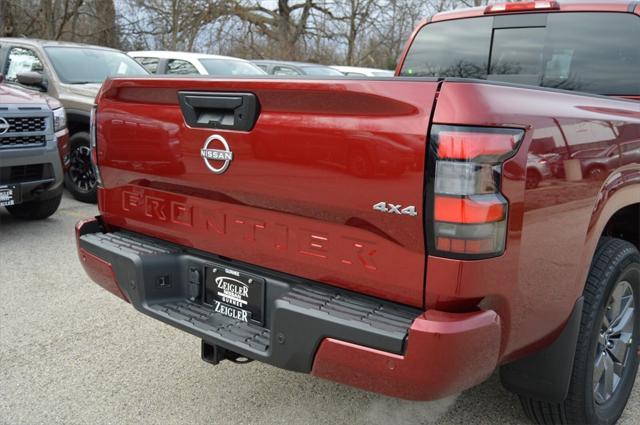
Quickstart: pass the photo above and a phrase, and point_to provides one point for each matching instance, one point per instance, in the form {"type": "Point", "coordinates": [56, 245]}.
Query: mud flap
{"type": "Point", "coordinates": [546, 375]}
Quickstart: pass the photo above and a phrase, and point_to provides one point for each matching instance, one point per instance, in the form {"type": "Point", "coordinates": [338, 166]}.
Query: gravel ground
{"type": "Point", "coordinates": [72, 353]}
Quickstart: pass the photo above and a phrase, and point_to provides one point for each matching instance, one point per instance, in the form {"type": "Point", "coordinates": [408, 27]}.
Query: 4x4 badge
{"type": "Point", "coordinates": [216, 160]}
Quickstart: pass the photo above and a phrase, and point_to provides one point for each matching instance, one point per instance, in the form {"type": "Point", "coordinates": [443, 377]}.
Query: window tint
{"type": "Point", "coordinates": [21, 60]}
{"type": "Point", "coordinates": [516, 55]}
{"type": "Point", "coordinates": [451, 49]}
{"type": "Point", "coordinates": [593, 52]}
{"type": "Point", "coordinates": [150, 64]}
{"type": "Point", "coordinates": [590, 52]}
{"type": "Point", "coordinates": [178, 66]}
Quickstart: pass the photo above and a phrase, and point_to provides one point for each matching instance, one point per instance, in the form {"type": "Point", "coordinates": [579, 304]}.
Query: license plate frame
{"type": "Point", "coordinates": [9, 195]}
{"type": "Point", "coordinates": [235, 293]}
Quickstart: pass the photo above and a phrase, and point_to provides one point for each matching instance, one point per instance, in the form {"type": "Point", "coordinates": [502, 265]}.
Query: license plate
{"type": "Point", "coordinates": [7, 195]}
{"type": "Point", "coordinates": [235, 294]}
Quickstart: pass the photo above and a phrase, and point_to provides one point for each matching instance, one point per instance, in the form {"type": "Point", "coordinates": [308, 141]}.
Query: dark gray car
{"type": "Point", "coordinates": [33, 151]}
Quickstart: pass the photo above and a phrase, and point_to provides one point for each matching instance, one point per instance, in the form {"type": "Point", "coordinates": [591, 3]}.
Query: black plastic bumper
{"type": "Point", "coordinates": [158, 278]}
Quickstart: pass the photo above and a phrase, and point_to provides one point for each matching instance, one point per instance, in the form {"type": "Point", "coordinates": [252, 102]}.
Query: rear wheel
{"type": "Point", "coordinates": [35, 210]}
{"type": "Point", "coordinates": [606, 358]}
{"type": "Point", "coordinates": [81, 178]}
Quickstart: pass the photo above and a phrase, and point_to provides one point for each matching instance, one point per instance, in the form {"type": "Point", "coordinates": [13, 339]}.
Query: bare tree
{"type": "Point", "coordinates": [353, 32]}
{"type": "Point", "coordinates": [284, 26]}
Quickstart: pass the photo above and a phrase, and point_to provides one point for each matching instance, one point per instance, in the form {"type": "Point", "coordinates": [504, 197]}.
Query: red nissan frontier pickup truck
{"type": "Point", "coordinates": [405, 235]}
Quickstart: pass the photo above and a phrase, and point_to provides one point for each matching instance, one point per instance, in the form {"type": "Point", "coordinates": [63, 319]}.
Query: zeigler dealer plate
{"type": "Point", "coordinates": [235, 294]}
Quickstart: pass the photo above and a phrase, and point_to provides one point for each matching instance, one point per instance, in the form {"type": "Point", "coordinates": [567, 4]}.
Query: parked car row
{"type": "Point", "coordinates": [72, 73]}
{"type": "Point", "coordinates": [183, 63]}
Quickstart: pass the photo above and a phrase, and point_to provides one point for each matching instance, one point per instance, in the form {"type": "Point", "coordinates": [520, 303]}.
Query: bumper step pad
{"type": "Point", "coordinates": [299, 314]}
{"type": "Point", "coordinates": [205, 319]}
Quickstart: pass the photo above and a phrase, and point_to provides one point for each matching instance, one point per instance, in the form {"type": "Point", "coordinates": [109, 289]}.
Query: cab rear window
{"type": "Point", "coordinates": [588, 52]}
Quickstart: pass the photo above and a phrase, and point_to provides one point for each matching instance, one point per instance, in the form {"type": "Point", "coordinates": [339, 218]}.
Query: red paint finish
{"type": "Point", "coordinates": [298, 196]}
{"type": "Point", "coordinates": [100, 272]}
{"type": "Point", "coordinates": [554, 227]}
{"type": "Point", "coordinates": [445, 353]}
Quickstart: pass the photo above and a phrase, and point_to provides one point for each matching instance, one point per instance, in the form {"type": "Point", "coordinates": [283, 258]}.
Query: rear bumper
{"type": "Point", "coordinates": [335, 334]}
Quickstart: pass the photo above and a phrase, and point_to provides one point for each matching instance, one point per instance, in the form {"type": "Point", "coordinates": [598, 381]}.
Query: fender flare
{"type": "Point", "coordinates": [621, 189]}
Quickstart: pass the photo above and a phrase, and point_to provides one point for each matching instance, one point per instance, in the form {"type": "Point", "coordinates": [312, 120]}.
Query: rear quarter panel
{"type": "Point", "coordinates": [553, 228]}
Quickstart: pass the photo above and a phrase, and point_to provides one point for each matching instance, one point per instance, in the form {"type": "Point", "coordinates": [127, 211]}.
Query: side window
{"type": "Point", "coordinates": [21, 60]}
{"type": "Point", "coordinates": [593, 52]}
{"type": "Point", "coordinates": [262, 66]}
{"type": "Point", "coordinates": [181, 67]}
{"type": "Point", "coordinates": [150, 64]}
{"type": "Point", "coordinates": [284, 70]}
{"type": "Point", "coordinates": [516, 55]}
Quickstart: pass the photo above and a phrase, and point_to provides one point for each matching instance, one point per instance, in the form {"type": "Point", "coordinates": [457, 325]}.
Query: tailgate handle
{"type": "Point", "coordinates": [229, 111]}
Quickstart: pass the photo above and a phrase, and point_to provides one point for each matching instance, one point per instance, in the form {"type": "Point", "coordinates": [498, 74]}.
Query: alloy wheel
{"type": "Point", "coordinates": [615, 342]}
{"type": "Point", "coordinates": [81, 170]}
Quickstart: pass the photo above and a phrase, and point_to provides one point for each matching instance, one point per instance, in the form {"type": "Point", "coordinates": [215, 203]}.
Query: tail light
{"type": "Point", "coordinates": [93, 144]}
{"type": "Point", "coordinates": [468, 211]}
{"type": "Point", "coordinates": [523, 6]}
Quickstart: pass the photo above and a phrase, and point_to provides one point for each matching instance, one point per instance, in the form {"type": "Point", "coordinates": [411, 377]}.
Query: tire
{"type": "Point", "coordinates": [80, 180]}
{"type": "Point", "coordinates": [614, 275]}
{"type": "Point", "coordinates": [35, 210]}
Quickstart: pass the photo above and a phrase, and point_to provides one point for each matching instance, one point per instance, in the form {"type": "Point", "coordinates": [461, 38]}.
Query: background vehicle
{"type": "Point", "coordinates": [72, 73]}
{"type": "Point", "coordinates": [421, 284]}
{"type": "Point", "coordinates": [296, 68]}
{"type": "Point", "coordinates": [537, 170]}
{"type": "Point", "coordinates": [34, 151]}
{"type": "Point", "coordinates": [183, 63]}
{"type": "Point", "coordinates": [357, 71]}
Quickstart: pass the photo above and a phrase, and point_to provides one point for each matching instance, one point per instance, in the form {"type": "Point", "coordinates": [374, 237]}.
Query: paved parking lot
{"type": "Point", "coordinates": [72, 353]}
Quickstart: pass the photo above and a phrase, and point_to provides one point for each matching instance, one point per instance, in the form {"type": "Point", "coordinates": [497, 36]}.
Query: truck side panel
{"type": "Point", "coordinates": [573, 143]}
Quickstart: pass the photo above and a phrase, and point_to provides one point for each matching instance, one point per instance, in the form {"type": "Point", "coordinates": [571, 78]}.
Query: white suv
{"type": "Point", "coordinates": [183, 63]}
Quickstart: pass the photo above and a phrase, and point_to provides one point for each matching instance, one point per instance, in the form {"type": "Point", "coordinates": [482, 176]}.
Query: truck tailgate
{"type": "Point", "coordinates": [294, 192]}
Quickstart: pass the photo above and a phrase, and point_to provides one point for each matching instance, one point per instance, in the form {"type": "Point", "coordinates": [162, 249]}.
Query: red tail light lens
{"type": "Point", "coordinates": [93, 144]}
{"type": "Point", "coordinates": [469, 146]}
{"type": "Point", "coordinates": [522, 6]}
{"type": "Point", "coordinates": [468, 211]}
